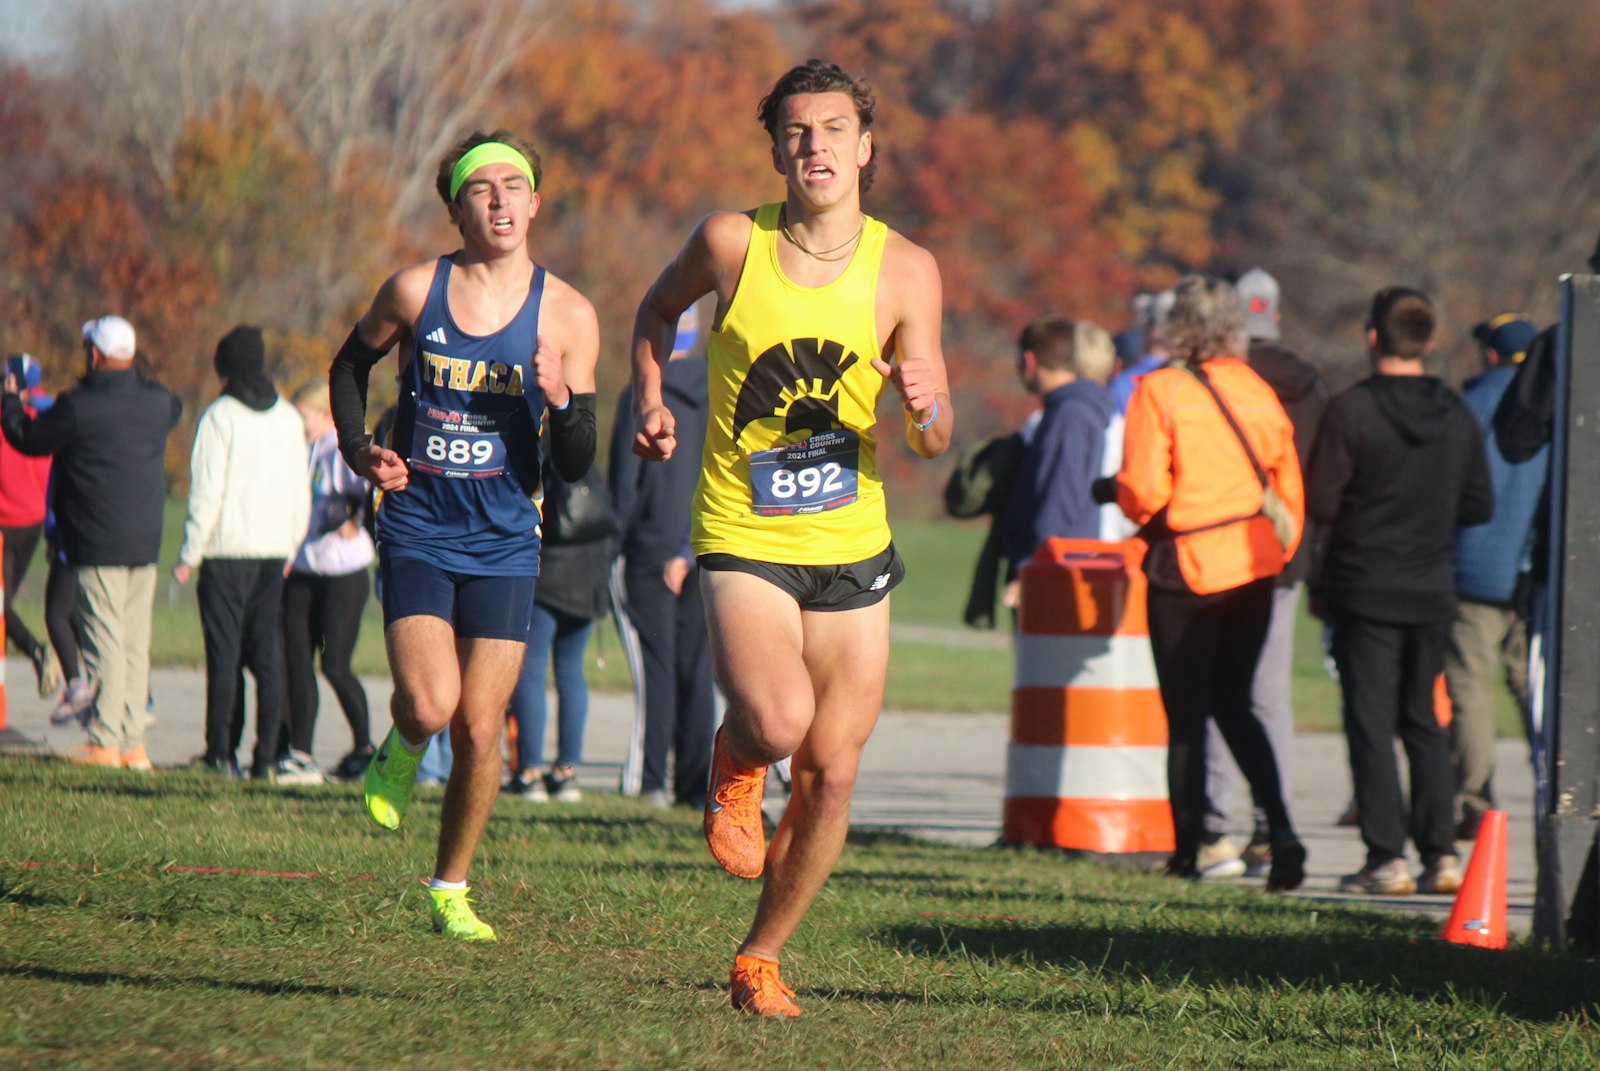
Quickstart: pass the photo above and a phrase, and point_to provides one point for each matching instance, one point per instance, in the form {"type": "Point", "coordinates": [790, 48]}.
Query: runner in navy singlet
{"type": "Point", "coordinates": [493, 349]}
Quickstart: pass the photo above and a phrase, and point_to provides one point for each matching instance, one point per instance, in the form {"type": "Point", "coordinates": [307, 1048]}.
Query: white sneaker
{"type": "Point", "coordinates": [77, 699]}
{"type": "Point", "coordinates": [1219, 861]}
{"type": "Point", "coordinates": [561, 785]}
{"type": "Point", "coordinates": [528, 787]}
{"type": "Point", "coordinates": [1383, 879]}
{"type": "Point", "coordinates": [297, 768]}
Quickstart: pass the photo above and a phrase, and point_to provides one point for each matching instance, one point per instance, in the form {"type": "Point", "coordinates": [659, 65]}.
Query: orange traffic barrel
{"type": "Point", "coordinates": [1086, 767]}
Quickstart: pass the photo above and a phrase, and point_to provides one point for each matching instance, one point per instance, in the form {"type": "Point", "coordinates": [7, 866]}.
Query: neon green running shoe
{"type": "Point", "coordinates": [453, 916]}
{"type": "Point", "coordinates": [391, 775]}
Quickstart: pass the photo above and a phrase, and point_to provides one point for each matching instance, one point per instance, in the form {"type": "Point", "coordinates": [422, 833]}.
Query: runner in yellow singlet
{"type": "Point", "coordinates": [819, 307]}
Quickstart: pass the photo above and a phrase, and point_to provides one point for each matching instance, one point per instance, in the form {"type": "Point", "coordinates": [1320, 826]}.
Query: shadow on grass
{"type": "Point", "coordinates": [694, 869]}
{"type": "Point", "coordinates": [575, 818]}
{"type": "Point", "coordinates": [141, 789]}
{"type": "Point", "coordinates": [25, 898]}
{"type": "Point", "coordinates": [1523, 983]}
{"type": "Point", "coordinates": [156, 981]}
{"type": "Point", "coordinates": [868, 839]}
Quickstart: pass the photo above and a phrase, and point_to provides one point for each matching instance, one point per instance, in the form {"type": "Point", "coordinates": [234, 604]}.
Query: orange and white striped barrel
{"type": "Point", "coordinates": [1086, 768]}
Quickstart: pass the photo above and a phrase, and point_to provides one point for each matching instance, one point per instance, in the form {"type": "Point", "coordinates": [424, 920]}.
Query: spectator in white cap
{"type": "Point", "coordinates": [1258, 300]}
{"type": "Point", "coordinates": [109, 439]}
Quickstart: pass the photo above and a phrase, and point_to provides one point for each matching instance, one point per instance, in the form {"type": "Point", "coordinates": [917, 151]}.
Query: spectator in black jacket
{"type": "Point", "coordinates": [657, 591]}
{"type": "Point", "coordinates": [577, 533]}
{"type": "Point", "coordinates": [1398, 467]}
{"type": "Point", "coordinates": [109, 438]}
{"type": "Point", "coordinates": [1304, 396]}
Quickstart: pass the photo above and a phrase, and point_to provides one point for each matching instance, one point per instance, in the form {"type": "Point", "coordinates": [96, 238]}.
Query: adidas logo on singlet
{"type": "Point", "coordinates": [437, 335]}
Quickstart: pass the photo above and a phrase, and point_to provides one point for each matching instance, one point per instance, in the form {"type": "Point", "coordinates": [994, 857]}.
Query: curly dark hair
{"type": "Point", "coordinates": [820, 76]}
{"type": "Point", "coordinates": [1205, 321]}
{"type": "Point", "coordinates": [448, 162]}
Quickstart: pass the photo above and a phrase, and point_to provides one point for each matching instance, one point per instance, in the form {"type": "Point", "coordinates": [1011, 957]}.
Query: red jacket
{"type": "Point", "coordinates": [23, 483]}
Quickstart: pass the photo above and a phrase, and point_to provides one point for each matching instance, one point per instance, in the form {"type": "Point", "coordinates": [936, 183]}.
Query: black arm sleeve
{"type": "Point", "coordinates": [347, 392]}
{"type": "Point", "coordinates": [42, 435]}
{"type": "Point", "coordinates": [572, 437]}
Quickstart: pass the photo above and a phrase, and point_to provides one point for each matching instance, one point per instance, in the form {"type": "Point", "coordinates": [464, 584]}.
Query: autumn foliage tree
{"type": "Point", "coordinates": [269, 163]}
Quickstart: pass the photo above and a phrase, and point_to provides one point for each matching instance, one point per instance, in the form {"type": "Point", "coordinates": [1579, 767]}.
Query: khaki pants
{"type": "Point", "coordinates": [115, 602]}
{"type": "Point", "coordinates": [1483, 638]}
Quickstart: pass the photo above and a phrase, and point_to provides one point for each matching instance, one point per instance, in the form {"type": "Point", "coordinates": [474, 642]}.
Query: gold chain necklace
{"type": "Point", "coordinates": [824, 254]}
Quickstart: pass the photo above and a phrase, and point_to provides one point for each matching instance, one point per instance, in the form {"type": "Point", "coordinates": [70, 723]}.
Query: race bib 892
{"type": "Point", "coordinates": [810, 476]}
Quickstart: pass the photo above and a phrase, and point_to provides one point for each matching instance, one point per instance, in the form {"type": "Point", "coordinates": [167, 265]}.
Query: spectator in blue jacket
{"type": "Point", "coordinates": [655, 585]}
{"type": "Point", "coordinates": [1492, 562]}
{"type": "Point", "coordinates": [1152, 311]}
{"type": "Point", "coordinates": [1067, 364]}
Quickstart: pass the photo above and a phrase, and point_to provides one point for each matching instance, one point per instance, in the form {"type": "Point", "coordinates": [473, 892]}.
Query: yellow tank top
{"type": "Point", "coordinates": [790, 471]}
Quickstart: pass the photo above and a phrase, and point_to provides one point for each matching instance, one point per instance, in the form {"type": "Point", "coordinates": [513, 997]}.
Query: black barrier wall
{"type": "Point", "coordinates": [1567, 904]}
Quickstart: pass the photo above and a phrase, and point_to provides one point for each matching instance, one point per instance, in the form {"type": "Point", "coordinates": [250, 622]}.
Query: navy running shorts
{"type": "Point", "coordinates": [477, 607]}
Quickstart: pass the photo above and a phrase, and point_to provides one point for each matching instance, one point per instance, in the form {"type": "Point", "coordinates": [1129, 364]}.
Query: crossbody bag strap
{"type": "Point", "coordinates": [1227, 414]}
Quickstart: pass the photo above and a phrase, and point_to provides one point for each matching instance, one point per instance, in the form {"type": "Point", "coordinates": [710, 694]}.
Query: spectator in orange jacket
{"type": "Point", "coordinates": [1210, 472]}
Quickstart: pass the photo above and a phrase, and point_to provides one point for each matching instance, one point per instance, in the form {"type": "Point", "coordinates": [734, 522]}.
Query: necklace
{"type": "Point", "coordinates": [818, 254]}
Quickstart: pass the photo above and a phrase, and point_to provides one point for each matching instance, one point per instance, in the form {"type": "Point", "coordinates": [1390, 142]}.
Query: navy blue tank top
{"type": "Point", "coordinates": [468, 427]}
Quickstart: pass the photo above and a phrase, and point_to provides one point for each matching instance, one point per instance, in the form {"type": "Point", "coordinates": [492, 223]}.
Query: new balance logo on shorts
{"type": "Point", "coordinates": [437, 335]}
{"type": "Point", "coordinates": [880, 583]}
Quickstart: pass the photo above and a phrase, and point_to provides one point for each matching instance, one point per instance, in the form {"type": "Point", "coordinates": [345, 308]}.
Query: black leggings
{"type": "Point", "coordinates": [1205, 649]}
{"type": "Point", "coordinates": [61, 615]}
{"type": "Point", "coordinates": [20, 545]}
{"type": "Point", "coordinates": [324, 611]}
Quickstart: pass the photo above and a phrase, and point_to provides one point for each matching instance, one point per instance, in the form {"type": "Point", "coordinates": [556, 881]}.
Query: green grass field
{"type": "Point", "coordinates": [310, 949]}
{"type": "Point", "coordinates": [937, 663]}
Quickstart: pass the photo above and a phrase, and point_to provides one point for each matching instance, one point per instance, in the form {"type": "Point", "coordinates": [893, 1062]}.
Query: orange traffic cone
{"type": "Point", "coordinates": [1479, 915]}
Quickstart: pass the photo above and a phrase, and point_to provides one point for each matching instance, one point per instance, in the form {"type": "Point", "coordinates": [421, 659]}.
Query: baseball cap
{"type": "Point", "coordinates": [1258, 301]}
{"type": "Point", "coordinates": [112, 336]}
{"type": "Point", "coordinates": [1509, 334]}
{"type": "Point", "coordinates": [1129, 345]}
{"type": "Point", "coordinates": [1152, 309]}
{"type": "Point", "coordinates": [25, 366]}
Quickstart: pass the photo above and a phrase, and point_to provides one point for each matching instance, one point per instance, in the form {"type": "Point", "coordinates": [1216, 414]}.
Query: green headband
{"type": "Point", "coordinates": [490, 152]}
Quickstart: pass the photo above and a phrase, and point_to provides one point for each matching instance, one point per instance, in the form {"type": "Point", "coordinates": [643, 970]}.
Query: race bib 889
{"type": "Point", "coordinates": [449, 443]}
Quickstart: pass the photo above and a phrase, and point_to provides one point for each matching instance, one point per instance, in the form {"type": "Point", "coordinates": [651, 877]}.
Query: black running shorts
{"type": "Point", "coordinates": [821, 587]}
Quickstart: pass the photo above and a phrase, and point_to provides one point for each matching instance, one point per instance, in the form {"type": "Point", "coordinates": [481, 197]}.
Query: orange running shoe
{"type": "Point", "coordinates": [137, 758]}
{"type": "Point", "coordinates": [94, 755]}
{"type": "Point", "coordinates": [733, 813]}
{"type": "Point", "coordinates": [757, 989]}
